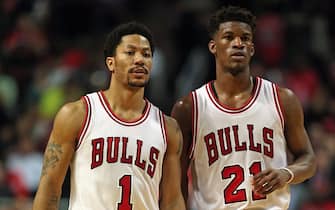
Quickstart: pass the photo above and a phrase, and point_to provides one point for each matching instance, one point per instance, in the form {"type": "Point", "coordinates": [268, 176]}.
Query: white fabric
{"type": "Point", "coordinates": [221, 173]}
{"type": "Point", "coordinates": [136, 170]}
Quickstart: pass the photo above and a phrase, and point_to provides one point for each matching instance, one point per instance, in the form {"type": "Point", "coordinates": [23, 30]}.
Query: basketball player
{"type": "Point", "coordinates": [124, 153]}
{"type": "Point", "coordinates": [237, 128]}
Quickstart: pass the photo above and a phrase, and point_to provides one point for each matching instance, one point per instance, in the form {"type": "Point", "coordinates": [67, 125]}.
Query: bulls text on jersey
{"type": "Point", "coordinates": [113, 154]}
{"type": "Point", "coordinates": [223, 138]}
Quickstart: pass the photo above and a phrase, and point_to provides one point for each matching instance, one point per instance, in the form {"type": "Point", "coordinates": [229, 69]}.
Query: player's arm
{"type": "Point", "coordinates": [304, 165]}
{"type": "Point", "coordinates": [172, 197]}
{"type": "Point", "coordinates": [58, 154]}
{"type": "Point", "coordinates": [298, 143]}
{"type": "Point", "coordinates": [182, 112]}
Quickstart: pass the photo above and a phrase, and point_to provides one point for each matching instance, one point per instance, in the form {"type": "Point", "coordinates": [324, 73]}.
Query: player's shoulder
{"type": "Point", "coordinates": [170, 122]}
{"type": "Point", "coordinates": [73, 107]}
{"type": "Point", "coordinates": [290, 103]}
{"type": "Point", "coordinates": [173, 131]}
{"type": "Point", "coordinates": [287, 96]}
{"type": "Point", "coordinates": [184, 103]}
{"type": "Point", "coordinates": [72, 111]}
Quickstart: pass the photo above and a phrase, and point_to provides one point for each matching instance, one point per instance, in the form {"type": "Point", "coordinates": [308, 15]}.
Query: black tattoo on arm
{"type": "Point", "coordinates": [52, 156]}
{"type": "Point", "coordinates": [53, 202]}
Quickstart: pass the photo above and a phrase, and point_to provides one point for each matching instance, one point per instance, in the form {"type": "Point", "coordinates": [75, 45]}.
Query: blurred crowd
{"type": "Point", "coordinates": [51, 52]}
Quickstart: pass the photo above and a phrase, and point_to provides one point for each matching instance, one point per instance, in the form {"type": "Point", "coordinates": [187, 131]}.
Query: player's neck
{"type": "Point", "coordinates": [233, 84]}
{"type": "Point", "coordinates": [125, 98]}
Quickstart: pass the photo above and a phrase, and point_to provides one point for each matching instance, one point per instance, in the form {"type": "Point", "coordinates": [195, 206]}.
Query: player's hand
{"type": "Point", "coordinates": [269, 180]}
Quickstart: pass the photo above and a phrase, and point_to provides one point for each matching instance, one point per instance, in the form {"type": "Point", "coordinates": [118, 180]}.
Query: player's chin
{"type": "Point", "coordinates": [137, 83]}
{"type": "Point", "coordinates": [239, 64]}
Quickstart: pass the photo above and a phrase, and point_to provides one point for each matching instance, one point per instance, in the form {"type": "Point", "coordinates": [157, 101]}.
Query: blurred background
{"type": "Point", "coordinates": [52, 53]}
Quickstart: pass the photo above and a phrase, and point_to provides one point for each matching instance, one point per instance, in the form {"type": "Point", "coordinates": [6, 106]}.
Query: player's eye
{"type": "Point", "coordinates": [228, 37]}
{"type": "Point", "coordinates": [130, 52]}
{"type": "Point", "coordinates": [245, 38]}
{"type": "Point", "coordinates": [147, 54]}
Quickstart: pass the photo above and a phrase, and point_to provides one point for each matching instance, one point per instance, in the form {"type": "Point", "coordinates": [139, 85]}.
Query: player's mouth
{"type": "Point", "coordinates": [138, 71]}
{"type": "Point", "coordinates": [238, 55]}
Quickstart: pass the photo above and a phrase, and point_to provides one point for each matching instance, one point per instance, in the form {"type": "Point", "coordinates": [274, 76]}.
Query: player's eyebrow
{"type": "Point", "coordinates": [135, 47]}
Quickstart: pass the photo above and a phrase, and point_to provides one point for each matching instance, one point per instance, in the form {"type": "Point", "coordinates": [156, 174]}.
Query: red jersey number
{"type": "Point", "coordinates": [125, 184]}
{"type": "Point", "coordinates": [231, 193]}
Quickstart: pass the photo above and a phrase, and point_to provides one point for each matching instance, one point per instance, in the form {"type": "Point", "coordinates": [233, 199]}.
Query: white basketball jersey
{"type": "Point", "coordinates": [230, 145]}
{"type": "Point", "coordinates": [117, 164]}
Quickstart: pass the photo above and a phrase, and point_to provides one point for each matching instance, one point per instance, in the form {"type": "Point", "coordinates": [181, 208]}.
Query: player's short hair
{"type": "Point", "coordinates": [230, 13]}
{"type": "Point", "coordinates": [114, 37]}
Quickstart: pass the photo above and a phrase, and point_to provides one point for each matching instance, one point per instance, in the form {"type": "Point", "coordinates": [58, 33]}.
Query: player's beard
{"type": "Point", "coordinates": [237, 68]}
{"type": "Point", "coordinates": [134, 83]}
{"type": "Point", "coordinates": [137, 84]}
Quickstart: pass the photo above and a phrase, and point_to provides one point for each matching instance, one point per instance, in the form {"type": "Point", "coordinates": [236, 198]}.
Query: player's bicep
{"type": "Point", "coordinates": [171, 180]}
{"type": "Point", "coordinates": [171, 164]}
{"type": "Point", "coordinates": [62, 141]}
{"type": "Point", "coordinates": [175, 140]}
{"type": "Point", "coordinates": [182, 112]}
{"type": "Point", "coordinates": [295, 132]}
{"type": "Point", "coordinates": [57, 156]}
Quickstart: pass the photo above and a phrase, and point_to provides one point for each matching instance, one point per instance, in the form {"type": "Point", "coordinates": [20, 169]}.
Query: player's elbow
{"type": "Point", "coordinates": [312, 164]}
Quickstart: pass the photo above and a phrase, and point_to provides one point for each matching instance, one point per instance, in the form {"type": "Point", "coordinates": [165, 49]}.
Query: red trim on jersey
{"type": "Point", "coordinates": [86, 122]}
{"type": "Point", "coordinates": [195, 114]}
{"type": "Point", "coordinates": [278, 104]}
{"type": "Point", "coordinates": [119, 120]}
{"type": "Point", "coordinates": [163, 127]}
{"type": "Point", "coordinates": [246, 105]}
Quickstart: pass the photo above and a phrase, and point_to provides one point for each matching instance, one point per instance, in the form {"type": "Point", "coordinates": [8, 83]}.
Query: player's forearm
{"type": "Point", "coordinates": [303, 168]}
{"type": "Point", "coordinates": [50, 202]}
{"type": "Point", "coordinates": [47, 197]}
{"type": "Point", "coordinates": [176, 204]}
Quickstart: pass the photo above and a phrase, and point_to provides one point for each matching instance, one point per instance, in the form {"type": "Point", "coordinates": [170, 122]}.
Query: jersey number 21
{"type": "Point", "coordinates": [231, 194]}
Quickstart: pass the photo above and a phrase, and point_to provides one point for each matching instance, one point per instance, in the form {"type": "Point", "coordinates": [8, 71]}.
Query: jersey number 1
{"type": "Point", "coordinates": [125, 184]}
{"type": "Point", "coordinates": [231, 194]}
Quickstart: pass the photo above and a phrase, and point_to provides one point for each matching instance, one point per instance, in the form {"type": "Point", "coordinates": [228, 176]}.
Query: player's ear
{"type": "Point", "coordinates": [212, 46]}
{"type": "Point", "coordinates": [110, 63]}
{"type": "Point", "coordinates": [252, 50]}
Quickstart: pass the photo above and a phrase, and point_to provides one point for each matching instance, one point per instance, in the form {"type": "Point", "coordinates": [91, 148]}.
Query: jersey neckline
{"type": "Point", "coordinates": [107, 107]}
{"type": "Point", "coordinates": [254, 94]}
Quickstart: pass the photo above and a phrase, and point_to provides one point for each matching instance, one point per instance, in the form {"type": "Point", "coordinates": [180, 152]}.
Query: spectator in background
{"type": "Point", "coordinates": [8, 93]}
{"type": "Point", "coordinates": [24, 159]}
{"type": "Point", "coordinates": [302, 78]}
{"type": "Point", "coordinates": [270, 39]}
